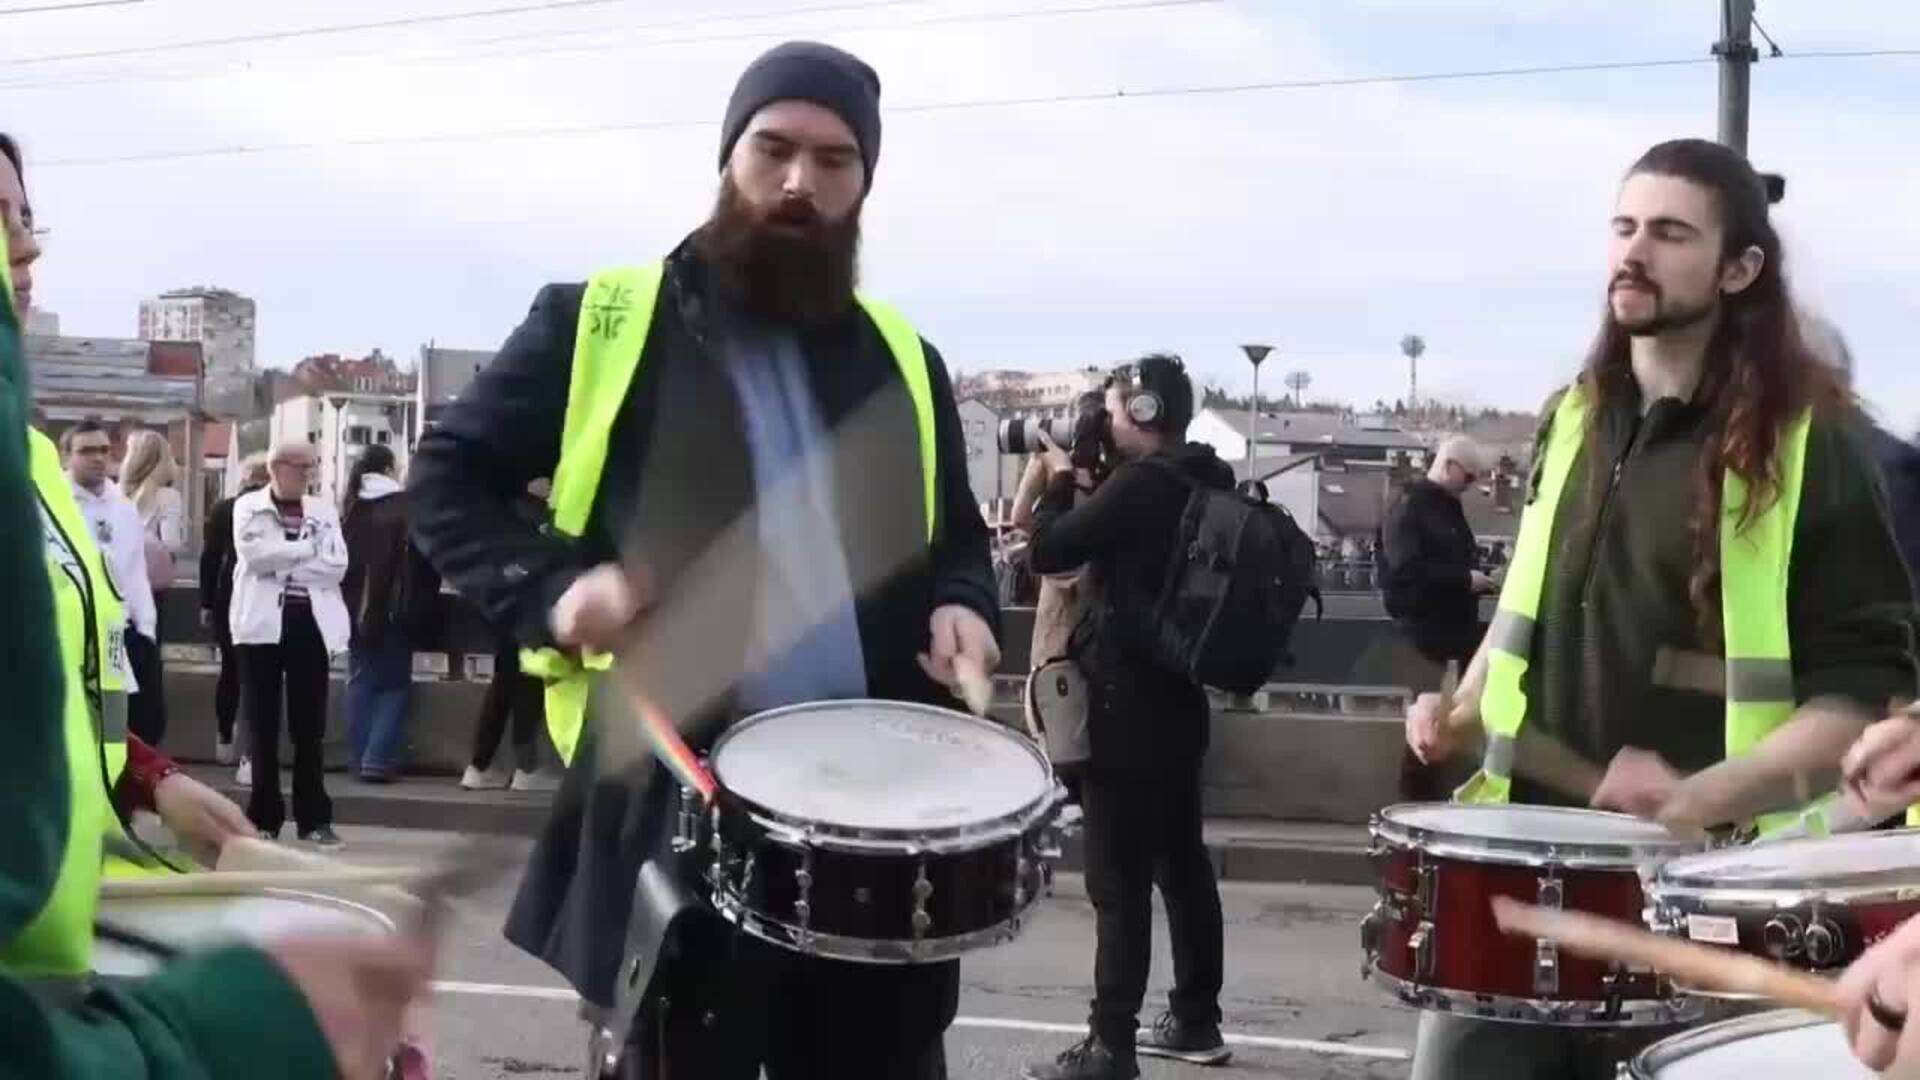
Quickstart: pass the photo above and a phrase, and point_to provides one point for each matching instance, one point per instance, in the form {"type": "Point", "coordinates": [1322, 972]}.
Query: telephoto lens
{"type": "Point", "coordinates": [1021, 434]}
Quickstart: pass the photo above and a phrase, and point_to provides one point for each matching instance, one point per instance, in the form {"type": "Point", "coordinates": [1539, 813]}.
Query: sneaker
{"type": "Point", "coordinates": [376, 776]}
{"type": "Point", "coordinates": [322, 837]}
{"type": "Point", "coordinates": [244, 774]}
{"type": "Point", "coordinates": [1090, 1059]}
{"type": "Point", "coordinates": [1197, 1044]}
{"type": "Point", "coordinates": [493, 779]}
{"type": "Point", "coordinates": [223, 752]}
{"type": "Point", "coordinates": [534, 781]}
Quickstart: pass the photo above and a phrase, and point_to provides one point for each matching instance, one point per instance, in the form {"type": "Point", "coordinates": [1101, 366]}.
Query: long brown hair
{"type": "Point", "coordinates": [1758, 375]}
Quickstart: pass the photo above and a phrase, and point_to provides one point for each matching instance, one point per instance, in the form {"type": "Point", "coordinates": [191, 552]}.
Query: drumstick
{"type": "Point", "coordinates": [1704, 967]}
{"type": "Point", "coordinates": [976, 687]}
{"type": "Point", "coordinates": [683, 656]}
{"type": "Point", "coordinates": [227, 883]}
{"type": "Point", "coordinates": [1537, 756]}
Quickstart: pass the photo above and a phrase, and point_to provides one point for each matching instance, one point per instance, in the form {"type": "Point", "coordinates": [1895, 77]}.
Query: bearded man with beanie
{"type": "Point", "coordinates": [741, 366]}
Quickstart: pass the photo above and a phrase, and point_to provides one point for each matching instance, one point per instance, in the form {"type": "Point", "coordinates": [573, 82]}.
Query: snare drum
{"type": "Point", "coordinates": [1787, 1043]}
{"type": "Point", "coordinates": [1432, 938]}
{"type": "Point", "coordinates": [877, 831]}
{"type": "Point", "coordinates": [1814, 903]}
{"type": "Point", "coordinates": [195, 922]}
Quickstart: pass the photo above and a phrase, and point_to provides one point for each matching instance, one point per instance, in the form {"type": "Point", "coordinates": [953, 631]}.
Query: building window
{"type": "Point", "coordinates": [357, 435]}
{"type": "Point", "coordinates": [385, 438]}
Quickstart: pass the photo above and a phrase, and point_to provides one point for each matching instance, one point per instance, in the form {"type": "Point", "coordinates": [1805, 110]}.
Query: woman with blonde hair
{"type": "Point", "coordinates": [148, 476]}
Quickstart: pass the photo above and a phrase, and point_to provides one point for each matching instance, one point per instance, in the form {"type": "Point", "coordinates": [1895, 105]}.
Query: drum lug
{"type": "Point", "coordinates": [1546, 954]}
{"type": "Point", "coordinates": [922, 890]}
{"type": "Point", "coordinates": [686, 823]}
{"type": "Point", "coordinates": [803, 889]}
{"type": "Point", "coordinates": [1420, 943]}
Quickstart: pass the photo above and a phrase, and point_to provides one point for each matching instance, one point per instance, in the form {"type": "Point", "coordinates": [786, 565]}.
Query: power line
{"type": "Point", "coordinates": [308, 31]}
{"type": "Point", "coordinates": [79, 4]}
{"type": "Point", "coordinates": [524, 53]}
{"type": "Point", "coordinates": [574, 130]}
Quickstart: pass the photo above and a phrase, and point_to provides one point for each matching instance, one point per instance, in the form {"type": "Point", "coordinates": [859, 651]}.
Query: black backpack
{"type": "Point", "coordinates": [1241, 574]}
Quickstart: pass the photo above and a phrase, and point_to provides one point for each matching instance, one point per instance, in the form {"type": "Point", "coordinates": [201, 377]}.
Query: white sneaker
{"type": "Point", "coordinates": [493, 779]}
{"type": "Point", "coordinates": [244, 774]}
{"type": "Point", "coordinates": [223, 752]}
{"type": "Point", "coordinates": [534, 781]}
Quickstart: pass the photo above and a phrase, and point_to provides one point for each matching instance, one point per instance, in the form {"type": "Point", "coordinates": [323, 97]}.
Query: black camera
{"type": "Point", "coordinates": [1084, 435]}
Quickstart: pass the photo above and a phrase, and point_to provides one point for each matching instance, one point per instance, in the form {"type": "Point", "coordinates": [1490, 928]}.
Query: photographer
{"type": "Point", "coordinates": [1066, 595]}
{"type": "Point", "coordinates": [1148, 725]}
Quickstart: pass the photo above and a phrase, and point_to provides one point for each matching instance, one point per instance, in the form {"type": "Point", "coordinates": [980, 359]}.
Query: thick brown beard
{"type": "Point", "coordinates": [781, 276]}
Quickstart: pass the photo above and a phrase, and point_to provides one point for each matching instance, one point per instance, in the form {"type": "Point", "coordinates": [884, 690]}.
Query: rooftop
{"type": "Point", "coordinates": [75, 377]}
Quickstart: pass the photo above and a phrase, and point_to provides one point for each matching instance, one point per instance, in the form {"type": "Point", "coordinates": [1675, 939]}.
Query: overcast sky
{"type": "Point", "coordinates": [381, 207]}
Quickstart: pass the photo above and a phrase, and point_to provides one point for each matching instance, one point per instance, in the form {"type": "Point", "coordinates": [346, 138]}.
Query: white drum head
{"type": "Point", "coordinates": [196, 922]}
{"type": "Point", "coordinates": [1536, 824]}
{"type": "Point", "coordinates": [1527, 835]}
{"type": "Point", "coordinates": [1854, 859]}
{"type": "Point", "coordinates": [1771, 1044]}
{"type": "Point", "coordinates": [881, 766]}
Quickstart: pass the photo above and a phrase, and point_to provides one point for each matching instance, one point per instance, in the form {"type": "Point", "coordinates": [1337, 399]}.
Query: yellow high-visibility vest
{"type": "Point", "coordinates": [1754, 565]}
{"type": "Point", "coordinates": [91, 624]}
{"type": "Point", "coordinates": [616, 317]}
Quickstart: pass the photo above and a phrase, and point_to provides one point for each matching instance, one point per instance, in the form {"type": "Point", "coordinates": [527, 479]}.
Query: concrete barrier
{"type": "Point", "coordinates": [1275, 765]}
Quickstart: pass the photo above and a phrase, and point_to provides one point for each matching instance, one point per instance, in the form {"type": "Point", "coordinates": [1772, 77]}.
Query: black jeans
{"type": "Point", "coordinates": [146, 710]}
{"type": "Point", "coordinates": [296, 669]}
{"type": "Point", "coordinates": [226, 691]}
{"type": "Point", "coordinates": [732, 1004]}
{"type": "Point", "coordinates": [1142, 830]}
{"type": "Point", "coordinates": [510, 692]}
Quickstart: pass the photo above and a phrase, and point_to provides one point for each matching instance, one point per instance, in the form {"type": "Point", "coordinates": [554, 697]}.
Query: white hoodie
{"type": "Point", "coordinates": [116, 528]}
{"type": "Point", "coordinates": [265, 562]}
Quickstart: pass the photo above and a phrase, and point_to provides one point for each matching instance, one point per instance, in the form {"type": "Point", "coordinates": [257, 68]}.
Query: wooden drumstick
{"type": "Point", "coordinates": [975, 685]}
{"type": "Point", "coordinates": [1537, 756]}
{"type": "Point", "coordinates": [228, 883]}
{"type": "Point", "coordinates": [1704, 967]}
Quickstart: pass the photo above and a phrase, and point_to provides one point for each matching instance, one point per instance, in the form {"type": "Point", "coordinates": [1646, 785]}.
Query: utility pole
{"type": "Point", "coordinates": [1737, 56]}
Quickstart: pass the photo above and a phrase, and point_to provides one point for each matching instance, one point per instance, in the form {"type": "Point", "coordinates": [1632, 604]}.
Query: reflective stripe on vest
{"type": "Point", "coordinates": [616, 316]}
{"type": "Point", "coordinates": [1754, 565]}
{"type": "Point", "coordinates": [59, 940]}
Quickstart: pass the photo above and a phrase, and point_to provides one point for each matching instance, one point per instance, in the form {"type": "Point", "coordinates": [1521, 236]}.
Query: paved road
{"type": "Point", "coordinates": [1294, 1001]}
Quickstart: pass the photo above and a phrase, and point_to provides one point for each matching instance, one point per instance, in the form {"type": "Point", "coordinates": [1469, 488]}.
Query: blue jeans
{"type": "Point", "coordinates": [379, 678]}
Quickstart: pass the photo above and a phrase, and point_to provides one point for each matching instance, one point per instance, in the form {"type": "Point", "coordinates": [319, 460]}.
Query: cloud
{"type": "Point", "coordinates": [1327, 221]}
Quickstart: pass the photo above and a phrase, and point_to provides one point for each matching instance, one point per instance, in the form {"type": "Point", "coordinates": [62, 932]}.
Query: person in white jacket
{"type": "Point", "coordinates": [288, 620]}
{"type": "Point", "coordinates": [88, 453]}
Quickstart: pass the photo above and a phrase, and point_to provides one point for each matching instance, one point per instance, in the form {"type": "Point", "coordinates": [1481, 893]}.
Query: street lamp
{"type": "Point", "coordinates": [1255, 354]}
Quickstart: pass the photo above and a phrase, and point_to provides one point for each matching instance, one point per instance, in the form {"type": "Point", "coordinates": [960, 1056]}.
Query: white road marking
{"type": "Point", "coordinates": [543, 993]}
{"type": "Point", "coordinates": [1265, 1042]}
{"type": "Point", "coordinates": [1268, 1042]}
